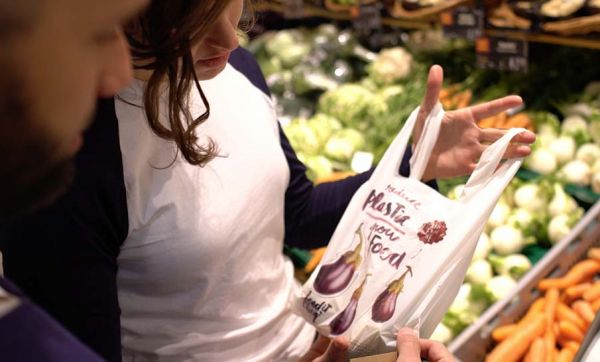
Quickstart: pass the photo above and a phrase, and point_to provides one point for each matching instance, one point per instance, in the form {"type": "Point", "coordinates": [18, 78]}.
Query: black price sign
{"type": "Point", "coordinates": [502, 54]}
{"type": "Point", "coordinates": [462, 22]}
{"type": "Point", "coordinates": [293, 9]}
{"type": "Point", "coordinates": [366, 18]}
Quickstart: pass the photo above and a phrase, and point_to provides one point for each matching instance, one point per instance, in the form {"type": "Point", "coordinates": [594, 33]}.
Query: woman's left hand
{"type": "Point", "coordinates": [461, 141]}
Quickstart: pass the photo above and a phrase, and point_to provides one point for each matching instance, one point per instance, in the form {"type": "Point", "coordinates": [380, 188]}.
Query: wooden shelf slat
{"type": "Point", "coordinates": [547, 38]}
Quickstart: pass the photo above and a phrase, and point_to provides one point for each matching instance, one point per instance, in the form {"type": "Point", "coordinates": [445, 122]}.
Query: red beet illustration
{"type": "Point", "coordinates": [432, 232]}
{"type": "Point", "coordinates": [335, 277]}
{"type": "Point", "coordinates": [385, 304]}
{"type": "Point", "coordinates": [343, 321]}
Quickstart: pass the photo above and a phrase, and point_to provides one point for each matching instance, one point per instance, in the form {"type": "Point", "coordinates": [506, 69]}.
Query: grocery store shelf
{"type": "Point", "coordinates": [581, 42]}
{"type": "Point", "coordinates": [315, 11]}
{"type": "Point", "coordinates": [590, 42]}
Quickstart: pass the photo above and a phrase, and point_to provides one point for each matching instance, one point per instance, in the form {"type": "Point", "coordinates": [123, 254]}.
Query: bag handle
{"type": "Point", "coordinates": [429, 137]}
{"type": "Point", "coordinates": [487, 167]}
{"type": "Point", "coordinates": [392, 158]}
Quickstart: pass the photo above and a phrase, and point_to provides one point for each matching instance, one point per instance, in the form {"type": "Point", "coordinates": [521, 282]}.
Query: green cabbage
{"type": "Point", "coordinates": [324, 126]}
{"type": "Point", "coordinates": [318, 167]}
{"type": "Point", "coordinates": [302, 137]}
{"type": "Point", "coordinates": [354, 105]}
{"type": "Point", "coordinates": [342, 145]}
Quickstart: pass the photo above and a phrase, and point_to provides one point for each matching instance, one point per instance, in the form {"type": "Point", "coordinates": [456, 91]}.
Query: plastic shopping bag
{"type": "Point", "coordinates": [401, 249]}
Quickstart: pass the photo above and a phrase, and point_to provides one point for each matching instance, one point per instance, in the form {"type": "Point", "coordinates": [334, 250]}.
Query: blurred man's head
{"type": "Point", "coordinates": [56, 58]}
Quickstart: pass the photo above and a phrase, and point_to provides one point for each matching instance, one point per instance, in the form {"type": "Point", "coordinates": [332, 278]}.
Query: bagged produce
{"type": "Point", "coordinates": [401, 250]}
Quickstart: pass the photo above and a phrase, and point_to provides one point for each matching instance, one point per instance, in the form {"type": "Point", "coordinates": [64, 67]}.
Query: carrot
{"type": "Point", "coordinates": [444, 93]}
{"type": "Point", "coordinates": [585, 311]}
{"type": "Point", "coordinates": [573, 346]}
{"type": "Point", "coordinates": [592, 293]}
{"type": "Point", "coordinates": [550, 345]}
{"type": "Point", "coordinates": [336, 176]}
{"type": "Point", "coordinates": [518, 120]}
{"type": "Point", "coordinates": [555, 329]}
{"type": "Point", "coordinates": [570, 331]}
{"type": "Point", "coordinates": [552, 296]}
{"type": "Point", "coordinates": [464, 99]}
{"type": "Point", "coordinates": [317, 255]}
{"type": "Point", "coordinates": [564, 313]}
{"type": "Point", "coordinates": [565, 355]}
{"type": "Point", "coordinates": [499, 334]}
{"type": "Point", "coordinates": [514, 347]}
{"type": "Point", "coordinates": [594, 253]}
{"type": "Point", "coordinates": [446, 103]}
{"type": "Point", "coordinates": [487, 122]}
{"type": "Point", "coordinates": [579, 273]}
{"type": "Point", "coordinates": [562, 341]}
{"type": "Point", "coordinates": [537, 351]}
{"type": "Point", "coordinates": [576, 291]}
{"type": "Point", "coordinates": [534, 310]}
{"type": "Point", "coordinates": [567, 343]}
{"type": "Point", "coordinates": [596, 305]}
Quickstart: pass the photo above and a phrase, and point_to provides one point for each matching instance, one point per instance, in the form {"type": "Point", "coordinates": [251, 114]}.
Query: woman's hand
{"type": "Point", "coordinates": [461, 141]}
{"type": "Point", "coordinates": [327, 350]}
{"type": "Point", "coordinates": [411, 348]}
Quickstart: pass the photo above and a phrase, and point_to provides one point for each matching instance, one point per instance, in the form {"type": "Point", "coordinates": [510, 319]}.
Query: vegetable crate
{"type": "Point", "coordinates": [475, 341]}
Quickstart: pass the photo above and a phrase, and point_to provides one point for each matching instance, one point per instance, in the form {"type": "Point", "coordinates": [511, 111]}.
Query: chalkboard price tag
{"type": "Point", "coordinates": [462, 23]}
{"type": "Point", "coordinates": [502, 54]}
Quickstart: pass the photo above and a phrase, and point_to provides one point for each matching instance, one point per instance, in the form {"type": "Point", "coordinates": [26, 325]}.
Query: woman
{"type": "Point", "coordinates": [186, 191]}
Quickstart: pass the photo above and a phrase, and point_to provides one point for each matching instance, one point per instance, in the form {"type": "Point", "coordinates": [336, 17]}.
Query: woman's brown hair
{"type": "Point", "coordinates": [160, 39]}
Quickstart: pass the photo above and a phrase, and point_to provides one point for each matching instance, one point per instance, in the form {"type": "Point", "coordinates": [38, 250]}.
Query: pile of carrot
{"type": "Point", "coordinates": [503, 120]}
{"type": "Point", "coordinates": [453, 97]}
{"type": "Point", "coordinates": [555, 324]}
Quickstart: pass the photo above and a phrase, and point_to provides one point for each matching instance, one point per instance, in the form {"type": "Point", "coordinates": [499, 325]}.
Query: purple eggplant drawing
{"type": "Point", "coordinates": [385, 304]}
{"type": "Point", "coordinates": [343, 321]}
{"type": "Point", "coordinates": [335, 277]}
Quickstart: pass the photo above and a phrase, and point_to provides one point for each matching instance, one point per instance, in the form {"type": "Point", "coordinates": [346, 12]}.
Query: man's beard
{"type": "Point", "coordinates": [31, 175]}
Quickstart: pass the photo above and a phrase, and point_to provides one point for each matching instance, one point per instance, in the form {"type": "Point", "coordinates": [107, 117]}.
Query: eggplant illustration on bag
{"type": "Point", "coordinates": [343, 321]}
{"type": "Point", "coordinates": [385, 304]}
{"type": "Point", "coordinates": [335, 277]}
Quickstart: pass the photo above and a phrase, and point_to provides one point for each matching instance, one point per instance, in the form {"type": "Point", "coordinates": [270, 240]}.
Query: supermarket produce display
{"type": "Point", "coordinates": [341, 104]}
{"type": "Point", "coordinates": [561, 317]}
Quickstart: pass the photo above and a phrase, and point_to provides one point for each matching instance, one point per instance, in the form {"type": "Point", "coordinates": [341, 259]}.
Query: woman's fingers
{"type": "Point", "coordinates": [490, 135]}
{"type": "Point", "coordinates": [491, 108]}
{"type": "Point", "coordinates": [327, 350]}
{"type": "Point", "coordinates": [432, 94]}
{"type": "Point", "coordinates": [435, 351]}
{"type": "Point", "coordinates": [434, 86]}
{"type": "Point", "coordinates": [516, 150]}
{"type": "Point", "coordinates": [337, 351]}
{"type": "Point", "coordinates": [407, 343]}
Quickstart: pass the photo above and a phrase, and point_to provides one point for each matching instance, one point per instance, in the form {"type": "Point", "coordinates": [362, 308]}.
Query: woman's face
{"type": "Point", "coordinates": [211, 53]}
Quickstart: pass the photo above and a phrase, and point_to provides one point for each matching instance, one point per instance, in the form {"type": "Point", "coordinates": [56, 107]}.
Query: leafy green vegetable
{"type": "Point", "coordinates": [324, 126]}
{"type": "Point", "coordinates": [318, 167]}
{"type": "Point", "coordinates": [342, 145]}
{"type": "Point", "coordinates": [354, 105]}
{"type": "Point", "coordinates": [302, 137]}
